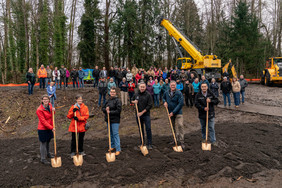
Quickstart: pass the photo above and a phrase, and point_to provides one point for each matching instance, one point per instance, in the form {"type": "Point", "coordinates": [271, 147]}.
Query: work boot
{"type": "Point", "coordinates": [117, 153]}
{"type": "Point", "coordinates": [82, 153]}
{"type": "Point", "coordinates": [72, 154]}
{"type": "Point", "coordinates": [44, 161]}
{"type": "Point", "coordinates": [215, 144]}
{"type": "Point", "coordinates": [49, 155]}
{"type": "Point", "coordinates": [150, 147]}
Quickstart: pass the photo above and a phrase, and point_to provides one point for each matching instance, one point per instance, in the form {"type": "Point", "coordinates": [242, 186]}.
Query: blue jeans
{"type": "Point", "coordinates": [243, 96]}
{"type": "Point", "coordinates": [42, 83]}
{"type": "Point", "coordinates": [236, 98]}
{"type": "Point", "coordinates": [100, 97]}
{"type": "Point", "coordinates": [228, 97]}
{"type": "Point", "coordinates": [57, 82]}
{"type": "Point", "coordinates": [115, 140]}
{"type": "Point", "coordinates": [157, 100]}
{"type": "Point", "coordinates": [74, 81]}
{"type": "Point", "coordinates": [211, 132]}
{"type": "Point", "coordinates": [30, 89]}
{"type": "Point", "coordinates": [81, 83]}
{"type": "Point", "coordinates": [48, 80]}
{"type": "Point", "coordinates": [52, 100]}
{"type": "Point", "coordinates": [147, 121]}
{"type": "Point", "coordinates": [96, 81]}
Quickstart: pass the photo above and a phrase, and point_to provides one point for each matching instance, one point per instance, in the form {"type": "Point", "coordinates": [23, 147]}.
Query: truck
{"type": "Point", "coordinates": [272, 72]}
{"type": "Point", "coordinates": [198, 64]}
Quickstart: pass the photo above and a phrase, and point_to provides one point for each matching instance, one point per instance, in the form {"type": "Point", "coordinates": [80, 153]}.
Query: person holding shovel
{"type": "Point", "coordinates": [144, 101]}
{"type": "Point", "coordinates": [202, 98]}
{"type": "Point", "coordinates": [173, 100]}
{"type": "Point", "coordinates": [45, 127]}
{"type": "Point", "coordinates": [80, 113]}
{"type": "Point", "coordinates": [113, 108]}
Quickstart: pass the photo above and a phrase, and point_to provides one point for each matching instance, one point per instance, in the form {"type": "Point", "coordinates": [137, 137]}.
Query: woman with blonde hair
{"type": "Point", "coordinates": [236, 88]}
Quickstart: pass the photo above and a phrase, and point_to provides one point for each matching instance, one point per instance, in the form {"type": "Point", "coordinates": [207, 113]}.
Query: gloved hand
{"type": "Point", "coordinates": [87, 126]}
{"type": "Point", "coordinates": [75, 118]}
{"type": "Point", "coordinates": [75, 109]}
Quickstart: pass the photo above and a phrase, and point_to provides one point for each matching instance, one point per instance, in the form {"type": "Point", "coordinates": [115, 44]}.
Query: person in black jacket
{"type": "Point", "coordinates": [214, 87]}
{"type": "Point", "coordinates": [112, 73]}
{"type": "Point", "coordinates": [74, 76]}
{"type": "Point", "coordinates": [145, 102]}
{"type": "Point", "coordinates": [102, 88]}
{"type": "Point", "coordinates": [113, 108]}
{"type": "Point", "coordinates": [95, 74]}
{"type": "Point", "coordinates": [226, 88]}
{"type": "Point", "coordinates": [203, 97]}
{"type": "Point", "coordinates": [30, 79]}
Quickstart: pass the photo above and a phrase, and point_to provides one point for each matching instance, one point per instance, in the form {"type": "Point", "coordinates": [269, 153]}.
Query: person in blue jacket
{"type": "Point", "coordinates": [173, 100]}
{"type": "Point", "coordinates": [157, 90]}
{"type": "Point", "coordinates": [51, 91]}
{"type": "Point", "coordinates": [81, 75]}
{"type": "Point", "coordinates": [204, 80]}
{"type": "Point", "coordinates": [179, 85]}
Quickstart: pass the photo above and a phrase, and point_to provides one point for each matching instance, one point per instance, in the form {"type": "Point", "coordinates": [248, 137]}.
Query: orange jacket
{"type": "Point", "coordinates": [82, 115]}
{"type": "Point", "coordinates": [42, 73]}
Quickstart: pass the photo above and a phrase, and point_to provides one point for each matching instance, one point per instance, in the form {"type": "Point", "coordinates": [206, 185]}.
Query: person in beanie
{"type": "Point", "coordinates": [203, 97]}
{"type": "Point", "coordinates": [102, 88]}
{"type": "Point", "coordinates": [113, 108]}
{"type": "Point", "coordinates": [173, 100]}
{"type": "Point", "coordinates": [51, 91]}
{"type": "Point", "coordinates": [45, 128]}
{"type": "Point", "coordinates": [30, 79]}
{"type": "Point", "coordinates": [144, 101]}
{"type": "Point", "coordinates": [74, 76]}
{"type": "Point", "coordinates": [123, 85]}
{"type": "Point", "coordinates": [80, 113]}
{"type": "Point", "coordinates": [131, 87]}
{"type": "Point", "coordinates": [189, 92]}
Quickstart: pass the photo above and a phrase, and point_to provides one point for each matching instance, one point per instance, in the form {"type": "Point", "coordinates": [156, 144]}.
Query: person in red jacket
{"type": "Point", "coordinates": [45, 127]}
{"type": "Point", "coordinates": [82, 114]}
{"type": "Point", "coordinates": [131, 87]}
{"type": "Point", "coordinates": [138, 77]}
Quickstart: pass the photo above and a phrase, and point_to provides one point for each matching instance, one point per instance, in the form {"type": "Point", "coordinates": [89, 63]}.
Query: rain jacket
{"type": "Point", "coordinates": [45, 118]}
{"type": "Point", "coordinates": [42, 73]}
{"type": "Point", "coordinates": [82, 114]}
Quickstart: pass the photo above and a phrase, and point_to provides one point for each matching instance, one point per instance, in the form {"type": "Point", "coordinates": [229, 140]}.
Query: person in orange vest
{"type": "Point", "coordinates": [82, 114]}
{"type": "Point", "coordinates": [42, 75]}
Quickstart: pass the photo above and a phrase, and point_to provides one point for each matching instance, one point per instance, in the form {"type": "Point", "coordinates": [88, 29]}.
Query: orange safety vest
{"type": "Point", "coordinates": [42, 73]}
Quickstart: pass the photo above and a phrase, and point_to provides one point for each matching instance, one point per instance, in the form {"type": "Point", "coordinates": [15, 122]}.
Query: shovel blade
{"type": "Point", "coordinates": [78, 160]}
{"type": "Point", "coordinates": [177, 149]}
{"type": "Point", "coordinates": [206, 146]}
{"type": "Point", "coordinates": [56, 162]}
{"type": "Point", "coordinates": [110, 157]}
{"type": "Point", "coordinates": [144, 150]}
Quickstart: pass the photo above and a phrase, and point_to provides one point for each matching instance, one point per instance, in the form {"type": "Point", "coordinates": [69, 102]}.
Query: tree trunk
{"type": "Point", "coordinates": [106, 35]}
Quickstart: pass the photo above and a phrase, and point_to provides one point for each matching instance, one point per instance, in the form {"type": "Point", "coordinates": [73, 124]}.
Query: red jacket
{"type": "Point", "coordinates": [82, 115]}
{"type": "Point", "coordinates": [45, 118]}
{"type": "Point", "coordinates": [131, 87]}
{"type": "Point", "coordinates": [138, 77]}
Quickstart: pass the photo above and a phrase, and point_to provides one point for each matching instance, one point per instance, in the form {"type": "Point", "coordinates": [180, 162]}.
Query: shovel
{"type": "Point", "coordinates": [56, 161]}
{"type": "Point", "coordinates": [111, 157]}
{"type": "Point", "coordinates": [143, 148]}
{"type": "Point", "coordinates": [207, 146]}
{"type": "Point", "coordinates": [77, 159]}
{"type": "Point", "coordinates": [176, 147]}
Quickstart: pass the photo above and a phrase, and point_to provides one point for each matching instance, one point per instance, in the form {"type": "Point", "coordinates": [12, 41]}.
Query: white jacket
{"type": "Point", "coordinates": [54, 76]}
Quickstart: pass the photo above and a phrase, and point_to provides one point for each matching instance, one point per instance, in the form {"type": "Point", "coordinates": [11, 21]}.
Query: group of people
{"type": "Point", "coordinates": [60, 77]}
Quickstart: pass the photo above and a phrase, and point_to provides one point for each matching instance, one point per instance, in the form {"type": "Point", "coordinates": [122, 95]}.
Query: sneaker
{"type": "Point", "coordinates": [82, 153]}
{"type": "Point", "coordinates": [236, 106]}
{"type": "Point", "coordinates": [72, 154]}
{"type": "Point", "coordinates": [49, 155]}
{"type": "Point", "coordinates": [150, 147]}
{"type": "Point", "coordinates": [44, 161]}
{"type": "Point", "coordinates": [117, 153]}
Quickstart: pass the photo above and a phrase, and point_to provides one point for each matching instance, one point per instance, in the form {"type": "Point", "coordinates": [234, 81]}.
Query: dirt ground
{"type": "Point", "coordinates": [248, 153]}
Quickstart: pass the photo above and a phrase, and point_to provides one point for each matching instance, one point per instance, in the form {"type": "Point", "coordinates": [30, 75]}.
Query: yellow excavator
{"type": "Point", "coordinates": [208, 65]}
{"type": "Point", "coordinates": [225, 69]}
{"type": "Point", "coordinates": [272, 73]}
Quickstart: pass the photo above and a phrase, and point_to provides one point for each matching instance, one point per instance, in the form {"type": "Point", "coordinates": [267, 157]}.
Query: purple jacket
{"type": "Point", "coordinates": [150, 89]}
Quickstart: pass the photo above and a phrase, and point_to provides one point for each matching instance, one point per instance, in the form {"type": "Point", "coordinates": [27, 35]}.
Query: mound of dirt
{"type": "Point", "coordinates": [244, 149]}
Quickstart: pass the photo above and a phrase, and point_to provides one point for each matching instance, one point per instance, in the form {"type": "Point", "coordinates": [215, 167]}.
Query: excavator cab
{"type": "Point", "coordinates": [184, 63]}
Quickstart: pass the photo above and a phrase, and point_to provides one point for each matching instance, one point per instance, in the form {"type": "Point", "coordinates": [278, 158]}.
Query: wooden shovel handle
{"type": "Point", "coordinates": [139, 124]}
{"type": "Point", "coordinates": [172, 130]}
{"type": "Point", "coordinates": [207, 124]}
{"type": "Point", "coordinates": [109, 132]}
{"type": "Point", "coordinates": [54, 132]}
{"type": "Point", "coordinates": [76, 139]}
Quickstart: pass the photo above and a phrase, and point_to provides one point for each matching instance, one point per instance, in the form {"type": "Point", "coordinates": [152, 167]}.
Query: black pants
{"type": "Point", "coordinates": [80, 142]}
{"type": "Point", "coordinates": [147, 121]}
{"type": "Point", "coordinates": [188, 99]}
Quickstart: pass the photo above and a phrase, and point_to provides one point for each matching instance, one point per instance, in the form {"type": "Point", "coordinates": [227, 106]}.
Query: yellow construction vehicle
{"type": "Point", "coordinates": [272, 73]}
{"type": "Point", "coordinates": [207, 65]}
{"type": "Point", "coordinates": [225, 69]}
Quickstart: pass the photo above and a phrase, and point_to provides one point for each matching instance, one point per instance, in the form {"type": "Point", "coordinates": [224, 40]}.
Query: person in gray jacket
{"type": "Point", "coordinates": [243, 84]}
{"type": "Point", "coordinates": [81, 75]}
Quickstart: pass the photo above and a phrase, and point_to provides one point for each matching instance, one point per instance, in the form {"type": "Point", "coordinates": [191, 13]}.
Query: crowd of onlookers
{"type": "Point", "coordinates": [157, 81]}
